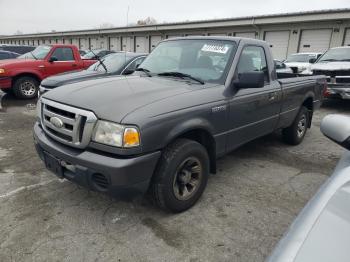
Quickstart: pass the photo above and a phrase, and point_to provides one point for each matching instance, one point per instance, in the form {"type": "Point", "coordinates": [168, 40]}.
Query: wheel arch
{"type": "Point", "coordinates": [30, 74]}
{"type": "Point", "coordinates": [198, 130]}
{"type": "Point", "coordinates": [308, 102]}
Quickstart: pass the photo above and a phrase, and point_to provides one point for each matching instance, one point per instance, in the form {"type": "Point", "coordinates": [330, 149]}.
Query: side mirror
{"type": "Point", "coordinates": [250, 80]}
{"type": "Point", "coordinates": [53, 59]}
{"type": "Point", "coordinates": [128, 71]}
{"type": "Point", "coordinates": [337, 128]}
{"type": "Point", "coordinates": [312, 60]}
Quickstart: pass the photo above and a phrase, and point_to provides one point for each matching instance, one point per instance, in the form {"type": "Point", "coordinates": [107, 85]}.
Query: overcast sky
{"type": "Point", "coordinates": [32, 16]}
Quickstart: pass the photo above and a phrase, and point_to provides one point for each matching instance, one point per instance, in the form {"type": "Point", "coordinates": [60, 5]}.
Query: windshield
{"type": "Point", "coordinates": [113, 62]}
{"type": "Point", "coordinates": [204, 59]}
{"type": "Point", "coordinates": [91, 54]}
{"type": "Point", "coordinates": [38, 53]}
{"type": "Point", "coordinates": [301, 58]}
{"type": "Point", "coordinates": [336, 54]}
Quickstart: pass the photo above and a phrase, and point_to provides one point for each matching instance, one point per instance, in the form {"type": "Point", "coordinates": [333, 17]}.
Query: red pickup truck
{"type": "Point", "coordinates": [23, 75]}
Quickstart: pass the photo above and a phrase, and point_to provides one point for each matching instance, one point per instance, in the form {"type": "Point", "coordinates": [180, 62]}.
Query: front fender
{"type": "Point", "coordinates": [188, 125]}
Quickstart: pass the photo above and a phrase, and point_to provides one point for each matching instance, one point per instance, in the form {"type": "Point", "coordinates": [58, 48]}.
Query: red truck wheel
{"type": "Point", "coordinates": [26, 87]}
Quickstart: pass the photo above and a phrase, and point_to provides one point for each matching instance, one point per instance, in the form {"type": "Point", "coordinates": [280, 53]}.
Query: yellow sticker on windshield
{"type": "Point", "coordinates": [222, 49]}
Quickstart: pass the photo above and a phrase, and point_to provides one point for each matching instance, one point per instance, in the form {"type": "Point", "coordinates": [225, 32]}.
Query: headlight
{"type": "Point", "coordinates": [2, 71]}
{"type": "Point", "coordinates": [38, 110]}
{"type": "Point", "coordinates": [116, 135]}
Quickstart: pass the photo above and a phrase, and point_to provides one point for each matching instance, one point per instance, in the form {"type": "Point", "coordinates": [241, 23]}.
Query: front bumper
{"type": "Point", "coordinates": [338, 90]}
{"type": "Point", "coordinates": [123, 176]}
{"type": "Point", "coordinates": [5, 82]}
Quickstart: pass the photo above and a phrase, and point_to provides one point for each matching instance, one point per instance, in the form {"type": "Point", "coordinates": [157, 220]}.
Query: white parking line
{"type": "Point", "coordinates": [20, 189]}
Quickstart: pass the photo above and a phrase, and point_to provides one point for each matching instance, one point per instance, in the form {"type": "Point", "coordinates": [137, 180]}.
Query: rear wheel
{"type": "Point", "coordinates": [295, 133]}
{"type": "Point", "coordinates": [181, 175]}
{"type": "Point", "coordinates": [26, 87]}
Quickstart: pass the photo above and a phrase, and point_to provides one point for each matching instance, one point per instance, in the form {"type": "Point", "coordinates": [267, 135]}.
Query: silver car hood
{"type": "Point", "coordinates": [321, 232]}
{"type": "Point", "coordinates": [331, 66]}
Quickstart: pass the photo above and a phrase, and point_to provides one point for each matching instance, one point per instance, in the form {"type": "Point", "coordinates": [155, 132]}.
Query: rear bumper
{"type": "Point", "coordinates": [5, 82]}
{"type": "Point", "coordinates": [338, 90]}
{"type": "Point", "coordinates": [123, 176]}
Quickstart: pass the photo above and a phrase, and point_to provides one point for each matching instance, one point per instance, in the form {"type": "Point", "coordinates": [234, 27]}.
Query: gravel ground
{"type": "Point", "coordinates": [247, 206]}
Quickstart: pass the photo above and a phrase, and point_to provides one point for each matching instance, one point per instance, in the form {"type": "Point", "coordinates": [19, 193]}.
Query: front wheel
{"type": "Point", "coordinates": [26, 87]}
{"type": "Point", "coordinates": [181, 175]}
{"type": "Point", "coordinates": [295, 133]}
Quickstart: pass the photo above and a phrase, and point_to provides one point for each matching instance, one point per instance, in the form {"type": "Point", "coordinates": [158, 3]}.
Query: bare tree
{"type": "Point", "coordinates": [148, 21]}
{"type": "Point", "coordinates": [106, 25]}
{"type": "Point", "coordinates": [18, 32]}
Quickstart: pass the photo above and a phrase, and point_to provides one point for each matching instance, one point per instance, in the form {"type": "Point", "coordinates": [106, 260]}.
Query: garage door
{"type": "Point", "coordinates": [315, 40]}
{"type": "Point", "coordinates": [278, 41]}
{"type": "Point", "coordinates": [245, 34]}
{"type": "Point", "coordinates": [114, 44]}
{"type": "Point", "coordinates": [75, 41]}
{"type": "Point", "coordinates": [94, 43]}
{"type": "Point", "coordinates": [155, 39]}
{"type": "Point", "coordinates": [347, 37]}
{"type": "Point", "coordinates": [128, 43]}
{"type": "Point", "coordinates": [141, 44]}
{"type": "Point", "coordinates": [84, 43]}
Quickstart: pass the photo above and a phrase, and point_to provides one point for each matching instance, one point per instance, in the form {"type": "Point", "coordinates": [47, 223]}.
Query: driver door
{"type": "Point", "coordinates": [65, 61]}
{"type": "Point", "coordinates": [254, 112]}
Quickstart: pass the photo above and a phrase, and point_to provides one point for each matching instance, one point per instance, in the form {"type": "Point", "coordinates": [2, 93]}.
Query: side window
{"type": "Point", "coordinates": [3, 56]}
{"type": "Point", "coordinates": [279, 65]}
{"type": "Point", "coordinates": [135, 64]}
{"type": "Point", "coordinates": [253, 59]}
{"type": "Point", "coordinates": [63, 54]}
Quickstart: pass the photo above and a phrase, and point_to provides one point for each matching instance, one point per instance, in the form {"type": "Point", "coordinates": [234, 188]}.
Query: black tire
{"type": "Point", "coordinates": [295, 133]}
{"type": "Point", "coordinates": [26, 87]}
{"type": "Point", "coordinates": [6, 90]}
{"type": "Point", "coordinates": [168, 179]}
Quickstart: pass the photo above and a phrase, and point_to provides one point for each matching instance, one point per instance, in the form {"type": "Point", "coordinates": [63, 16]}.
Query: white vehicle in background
{"type": "Point", "coordinates": [321, 232]}
{"type": "Point", "coordinates": [282, 67]}
{"type": "Point", "coordinates": [301, 61]}
{"type": "Point", "coordinates": [335, 64]}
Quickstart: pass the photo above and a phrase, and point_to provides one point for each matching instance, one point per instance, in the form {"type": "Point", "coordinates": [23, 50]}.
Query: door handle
{"type": "Point", "coordinates": [41, 66]}
{"type": "Point", "coordinates": [272, 96]}
{"type": "Point", "coordinates": [74, 65]}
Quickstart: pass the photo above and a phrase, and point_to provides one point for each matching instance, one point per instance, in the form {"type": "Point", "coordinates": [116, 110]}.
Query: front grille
{"type": "Point", "coordinates": [345, 80]}
{"type": "Point", "coordinates": [332, 73]}
{"type": "Point", "coordinates": [72, 126]}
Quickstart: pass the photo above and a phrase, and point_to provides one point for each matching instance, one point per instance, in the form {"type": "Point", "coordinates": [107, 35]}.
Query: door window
{"type": "Point", "coordinates": [63, 54]}
{"type": "Point", "coordinates": [253, 59]}
{"type": "Point", "coordinates": [135, 64]}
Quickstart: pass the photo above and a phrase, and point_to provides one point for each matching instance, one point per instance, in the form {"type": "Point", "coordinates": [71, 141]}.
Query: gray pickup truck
{"type": "Point", "coordinates": [161, 129]}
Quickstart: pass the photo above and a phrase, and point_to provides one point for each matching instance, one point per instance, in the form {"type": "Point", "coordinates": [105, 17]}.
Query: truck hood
{"type": "Point", "coordinates": [297, 64]}
{"type": "Point", "coordinates": [331, 66]}
{"type": "Point", "coordinates": [112, 98]}
{"type": "Point", "coordinates": [14, 61]}
{"type": "Point", "coordinates": [70, 77]}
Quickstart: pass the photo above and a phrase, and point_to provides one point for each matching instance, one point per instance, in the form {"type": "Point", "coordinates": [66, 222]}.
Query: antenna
{"type": "Point", "coordinates": [127, 24]}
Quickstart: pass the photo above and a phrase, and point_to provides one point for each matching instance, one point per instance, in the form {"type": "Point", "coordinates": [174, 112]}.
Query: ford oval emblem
{"type": "Point", "coordinates": [56, 122]}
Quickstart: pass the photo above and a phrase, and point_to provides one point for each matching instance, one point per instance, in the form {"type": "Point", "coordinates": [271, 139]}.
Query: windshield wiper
{"type": "Point", "coordinates": [146, 71]}
{"type": "Point", "coordinates": [182, 75]}
{"type": "Point", "coordinates": [328, 60]}
{"type": "Point", "coordinates": [345, 59]}
{"type": "Point", "coordinates": [100, 61]}
{"type": "Point", "coordinates": [33, 55]}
